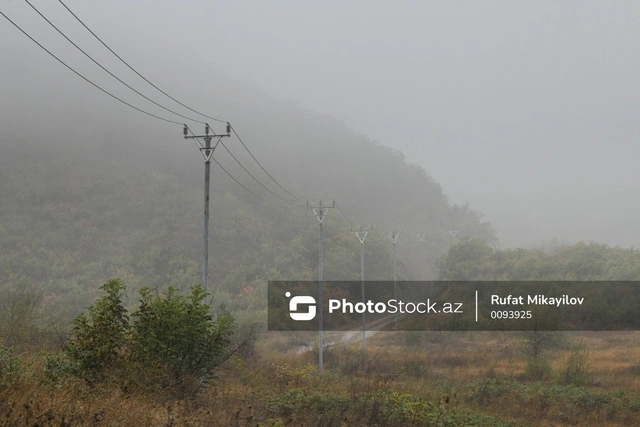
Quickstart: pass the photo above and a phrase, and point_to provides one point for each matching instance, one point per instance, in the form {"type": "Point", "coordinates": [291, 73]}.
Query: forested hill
{"type": "Point", "coordinates": [471, 259]}
{"type": "Point", "coordinates": [89, 194]}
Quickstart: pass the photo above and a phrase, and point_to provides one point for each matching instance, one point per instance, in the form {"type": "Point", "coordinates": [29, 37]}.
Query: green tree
{"type": "Point", "coordinates": [174, 336]}
{"type": "Point", "coordinates": [467, 260]}
{"type": "Point", "coordinates": [99, 340]}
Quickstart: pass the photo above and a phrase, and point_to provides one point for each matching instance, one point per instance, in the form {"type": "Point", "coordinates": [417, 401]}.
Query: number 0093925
{"type": "Point", "coordinates": [509, 314]}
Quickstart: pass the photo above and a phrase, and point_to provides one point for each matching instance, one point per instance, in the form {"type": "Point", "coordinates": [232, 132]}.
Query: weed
{"type": "Point", "coordinates": [538, 368]}
{"type": "Point", "coordinates": [576, 370]}
{"type": "Point", "coordinates": [10, 366]}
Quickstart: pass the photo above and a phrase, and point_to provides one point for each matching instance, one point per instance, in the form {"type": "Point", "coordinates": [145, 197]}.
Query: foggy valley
{"type": "Point", "coordinates": [473, 141]}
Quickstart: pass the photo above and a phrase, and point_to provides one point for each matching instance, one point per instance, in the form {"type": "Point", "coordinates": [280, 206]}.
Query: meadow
{"type": "Point", "coordinates": [404, 379]}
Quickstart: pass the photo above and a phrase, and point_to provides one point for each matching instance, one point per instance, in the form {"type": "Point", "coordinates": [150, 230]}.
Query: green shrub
{"type": "Point", "coordinates": [538, 368]}
{"type": "Point", "coordinates": [494, 388]}
{"type": "Point", "coordinates": [171, 339]}
{"type": "Point", "coordinates": [576, 369]}
{"type": "Point", "coordinates": [10, 365]}
{"type": "Point", "coordinates": [377, 408]}
{"type": "Point", "coordinates": [56, 367]}
{"type": "Point", "coordinates": [98, 342]}
{"type": "Point", "coordinates": [173, 336]}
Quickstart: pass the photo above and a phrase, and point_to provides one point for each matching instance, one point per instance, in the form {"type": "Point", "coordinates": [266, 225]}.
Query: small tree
{"type": "Point", "coordinates": [99, 341]}
{"type": "Point", "coordinates": [577, 366]}
{"type": "Point", "coordinates": [174, 337]}
{"type": "Point", "coordinates": [540, 336]}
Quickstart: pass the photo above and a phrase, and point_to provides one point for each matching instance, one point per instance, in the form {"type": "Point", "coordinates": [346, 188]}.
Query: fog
{"type": "Point", "coordinates": [524, 110]}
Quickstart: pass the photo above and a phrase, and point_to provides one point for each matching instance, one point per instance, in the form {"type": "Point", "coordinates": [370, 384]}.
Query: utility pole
{"type": "Point", "coordinates": [320, 211]}
{"type": "Point", "coordinates": [420, 235]}
{"type": "Point", "coordinates": [207, 152]}
{"type": "Point", "coordinates": [394, 237]}
{"type": "Point", "coordinates": [362, 235]}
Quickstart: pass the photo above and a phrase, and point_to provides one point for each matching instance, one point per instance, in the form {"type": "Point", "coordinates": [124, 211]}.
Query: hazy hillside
{"type": "Point", "coordinates": [105, 198]}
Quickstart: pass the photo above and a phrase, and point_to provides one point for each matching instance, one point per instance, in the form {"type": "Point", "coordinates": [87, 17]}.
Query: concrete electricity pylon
{"type": "Point", "coordinates": [362, 235]}
{"type": "Point", "coordinates": [421, 235]}
{"type": "Point", "coordinates": [207, 152]}
{"type": "Point", "coordinates": [394, 237]}
{"type": "Point", "coordinates": [320, 211]}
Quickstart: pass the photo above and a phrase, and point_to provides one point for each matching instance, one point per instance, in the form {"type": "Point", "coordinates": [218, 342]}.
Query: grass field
{"type": "Point", "coordinates": [405, 379]}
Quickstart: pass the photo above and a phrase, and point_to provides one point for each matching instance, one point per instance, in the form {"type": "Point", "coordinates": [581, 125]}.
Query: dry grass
{"type": "Point", "coordinates": [455, 374]}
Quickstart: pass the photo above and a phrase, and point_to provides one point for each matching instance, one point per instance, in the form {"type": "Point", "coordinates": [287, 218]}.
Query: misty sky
{"type": "Point", "coordinates": [526, 110]}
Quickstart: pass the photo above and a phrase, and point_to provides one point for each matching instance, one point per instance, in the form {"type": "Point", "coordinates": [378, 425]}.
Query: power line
{"type": "Point", "coordinates": [238, 182]}
{"type": "Point", "coordinates": [86, 79]}
{"type": "Point", "coordinates": [175, 100]}
{"type": "Point", "coordinates": [138, 109]}
{"type": "Point", "coordinates": [382, 235]}
{"type": "Point", "coordinates": [263, 169]}
{"type": "Point", "coordinates": [410, 238]}
{"type": "Point", "coordinates": [107, 71]}
{"type": "Point", "coordinates": [453, 233]}
{"type": "Point", "coordinates": [345, 217]}
{"type": "Point", "coordinates": [254, 178]}
{"type": "Point", "coordinates": [134, 70]}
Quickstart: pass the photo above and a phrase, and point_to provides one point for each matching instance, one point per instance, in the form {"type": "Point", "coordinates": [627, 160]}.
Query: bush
{"type": "Point", "coordinates": [98, 343]}
{"type": "Point", "coordinates": [10, 365]}
{"type": "Point", "coordinates": [56, 367]}
{"type": "Point", "coordinates": [172, 338]}
{"type": "Point", "coordinates": [539, 335]}
{"type": "Point", "coordinates": [538, 368]}
{"type": "Point", "coordinates": [576, 370]}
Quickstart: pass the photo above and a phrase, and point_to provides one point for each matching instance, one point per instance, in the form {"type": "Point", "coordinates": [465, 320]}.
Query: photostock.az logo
{"type": "Point", "coordinates": [301, 300]}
